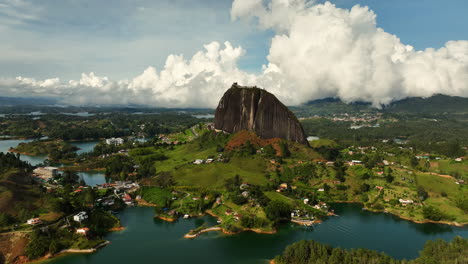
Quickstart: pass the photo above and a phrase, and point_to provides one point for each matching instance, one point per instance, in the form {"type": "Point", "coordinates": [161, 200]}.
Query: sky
{"type": "Point", "coordinates": [186, 53]}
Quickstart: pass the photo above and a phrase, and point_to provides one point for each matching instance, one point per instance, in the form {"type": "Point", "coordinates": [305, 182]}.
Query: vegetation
{"type": "Point", "coordinates": [438, 251]}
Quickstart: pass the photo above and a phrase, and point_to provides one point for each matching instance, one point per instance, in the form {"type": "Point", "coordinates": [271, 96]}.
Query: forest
{"type": "Point", "coordinates": [308, 251]}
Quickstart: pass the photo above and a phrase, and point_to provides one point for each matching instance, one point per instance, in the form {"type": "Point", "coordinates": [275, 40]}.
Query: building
{"type": "Point", "coordinates": [405, 201]}
{"type": "Point", "coordinates": [80, 216]}
{"type": "Point", "coordinates": [34, 221]}
{"type": "Point", "coordinates": [114, 141]}
{"type": "Point", "coordinates": [46, 172]}
{"type": "Point", "coordinates": [82, 231]}
{"type": "Point", "coordinates": [198, 161]}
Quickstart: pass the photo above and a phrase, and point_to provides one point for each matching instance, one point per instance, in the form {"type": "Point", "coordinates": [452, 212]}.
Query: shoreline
{"type": "Point", "coordinates": [167, 219]}
{"type": "Point", "coordinates": [141, 202]}
{"type": "Point", "coordinates": [69, 251]}
{"type": "Point", "coordinates": [425, 221]}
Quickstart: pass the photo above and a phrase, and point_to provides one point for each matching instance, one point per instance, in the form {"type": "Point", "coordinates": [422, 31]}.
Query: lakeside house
{"type": "Point", "coordinates": [127, 199]}
{"type": "Point", "coordinates": [80, 216]}
{"type": "Point", "coordinates": [34, 221]}
{"type": "Point", "coordinates": [82, 231]}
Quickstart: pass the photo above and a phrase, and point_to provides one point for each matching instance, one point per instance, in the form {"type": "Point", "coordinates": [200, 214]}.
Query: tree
{"type": "Point", "coordinates": [364, 187]}
{"type": "Point", "coordinates": [389, 178]}
{"type": "Point", "coordinates": [432, 213]}
{"type": "Point", "coordinates": [165, 179]}
{"type": "Point", "coordinates": [5, 219]}
{"type": "Point", "coordinates": [70, 177]}
{"type": "Point", "coordinates": [277, 210]}
{"type": "Point", "coordinates": [422, 194]}
{"type": "Point", "coordinates": [284, 150]}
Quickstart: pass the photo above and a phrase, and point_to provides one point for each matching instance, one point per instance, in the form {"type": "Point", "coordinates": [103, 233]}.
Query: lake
{"type": "Point", "coordinates": [5, 145]}
{"type": "Point", "coordinates": [90, 177]}
{"type": "Point", "coordinates": [149, 240]}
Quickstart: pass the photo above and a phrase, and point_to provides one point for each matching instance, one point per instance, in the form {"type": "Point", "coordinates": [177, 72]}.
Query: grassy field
{"type": "Point", "coordinates": [251, 170]}
{"type": "Point", "coordinates": [182, 155]}
{"type": "Point", "coordinates": [450, 167]}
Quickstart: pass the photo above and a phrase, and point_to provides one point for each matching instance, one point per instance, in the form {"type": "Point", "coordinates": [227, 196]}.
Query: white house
{"type": "Point", "coordinates": [405, 201]}
{"type": "Point", "coordinates": [82, 231]}
{"type": "Point", "coordinates": [80, 216]}
{"type": "Point", "coordinates": [198, 161]}
{"type": "Point", "coordinates": [34, 221]}
{"type": "Point", "coordinates": [114, 141]}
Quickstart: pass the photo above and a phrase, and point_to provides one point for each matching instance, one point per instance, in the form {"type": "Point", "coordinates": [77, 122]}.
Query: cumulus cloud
{"type": "Point", "coordinates": [198, 82]}
{"type": "Point", "coordinates": [318, 51]}
{"type": "Point", "coordinates": [321, 50]}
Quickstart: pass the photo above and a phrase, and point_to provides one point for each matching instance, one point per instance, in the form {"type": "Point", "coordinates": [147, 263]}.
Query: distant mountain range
{"type": "Point", "coordinates": [417, 105]}
{"type": "Point", "coordinates": [12, 101]}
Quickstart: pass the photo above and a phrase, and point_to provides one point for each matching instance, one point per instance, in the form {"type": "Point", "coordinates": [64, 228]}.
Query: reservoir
{"type": "Point", "coordinates": [90, 177]}
{"type": "Point", "coordinates": [5, 145]}
{"type": "Point", "coordinates": [149, 240]}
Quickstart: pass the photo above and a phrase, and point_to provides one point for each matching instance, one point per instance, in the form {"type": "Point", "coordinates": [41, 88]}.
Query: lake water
{"type": "Point", "coordinates": [5, 145]}
{"type": "Point", "coordinates": [204, 116]}
{"type": "Point", "coordinates": [91, 178]}
{"type": "Point", "coordinates": [84, 146]}
{"type": "Point", "coordinates": [148, 240]}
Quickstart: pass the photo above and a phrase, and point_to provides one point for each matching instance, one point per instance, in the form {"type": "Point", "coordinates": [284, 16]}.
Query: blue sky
{"type": "Point", "coordinates": [121, 38]}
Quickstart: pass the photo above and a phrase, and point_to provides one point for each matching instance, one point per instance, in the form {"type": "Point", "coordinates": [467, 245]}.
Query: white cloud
{"type": "Point", "coordinates": [321, 50]}
{"type": "Point", "coordinates": [318, 51]}
{"type": "Point", "coordinates": [198, 82]}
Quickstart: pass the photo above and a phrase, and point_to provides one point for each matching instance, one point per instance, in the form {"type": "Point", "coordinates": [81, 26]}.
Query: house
{"type": "Point", "coordinates": [321, 190]}
{"type": "Point", "coordinates": [127, 199]}
{"type": "Point", "coordinates": [80, 216]}
{"type": "Point", "coordinates": [198, 161]}
{"type": "Point", "coordinates": [46, 172]}
{"type": "Point", "coordinates": [355, 162]}
{"type": "Point", "coordinates": [244, 186]}
{"type": "Point", "coordinates": [405, 201]}
{"type": "Point", "coordinates": [209, 160]}
{"type": "Point", "coordinates": [245, 194]}
{"type": "Point", "coordinates": [330, 163]}
{"type": "Point", "coordinates": [114, 141]}
{"type": "Point", "coordinates": [282, 187]}
{"type": "Point", "coordinates": [379, 187]}
{"type": "Point", "coordinates": [34, 221]}
{"type": "Point", "coordinates": [306, 201]}
{"type": "Point", "coordinates": [82, 231]}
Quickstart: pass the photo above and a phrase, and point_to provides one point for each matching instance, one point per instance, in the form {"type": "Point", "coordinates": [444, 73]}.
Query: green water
{"type": "Point", "coordinates": [148, 240]}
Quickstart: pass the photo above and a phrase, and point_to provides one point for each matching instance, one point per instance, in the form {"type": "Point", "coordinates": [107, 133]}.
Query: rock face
{"type": "Point", "coordinates": [256, 110]}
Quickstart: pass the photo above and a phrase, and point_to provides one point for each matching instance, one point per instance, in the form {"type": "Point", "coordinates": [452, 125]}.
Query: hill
{"type": "Point", "coordinates": [256, 110]}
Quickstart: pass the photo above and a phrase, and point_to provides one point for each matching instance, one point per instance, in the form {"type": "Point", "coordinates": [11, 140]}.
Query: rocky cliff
{"type": "Point", "coordinates": [256, 110]}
